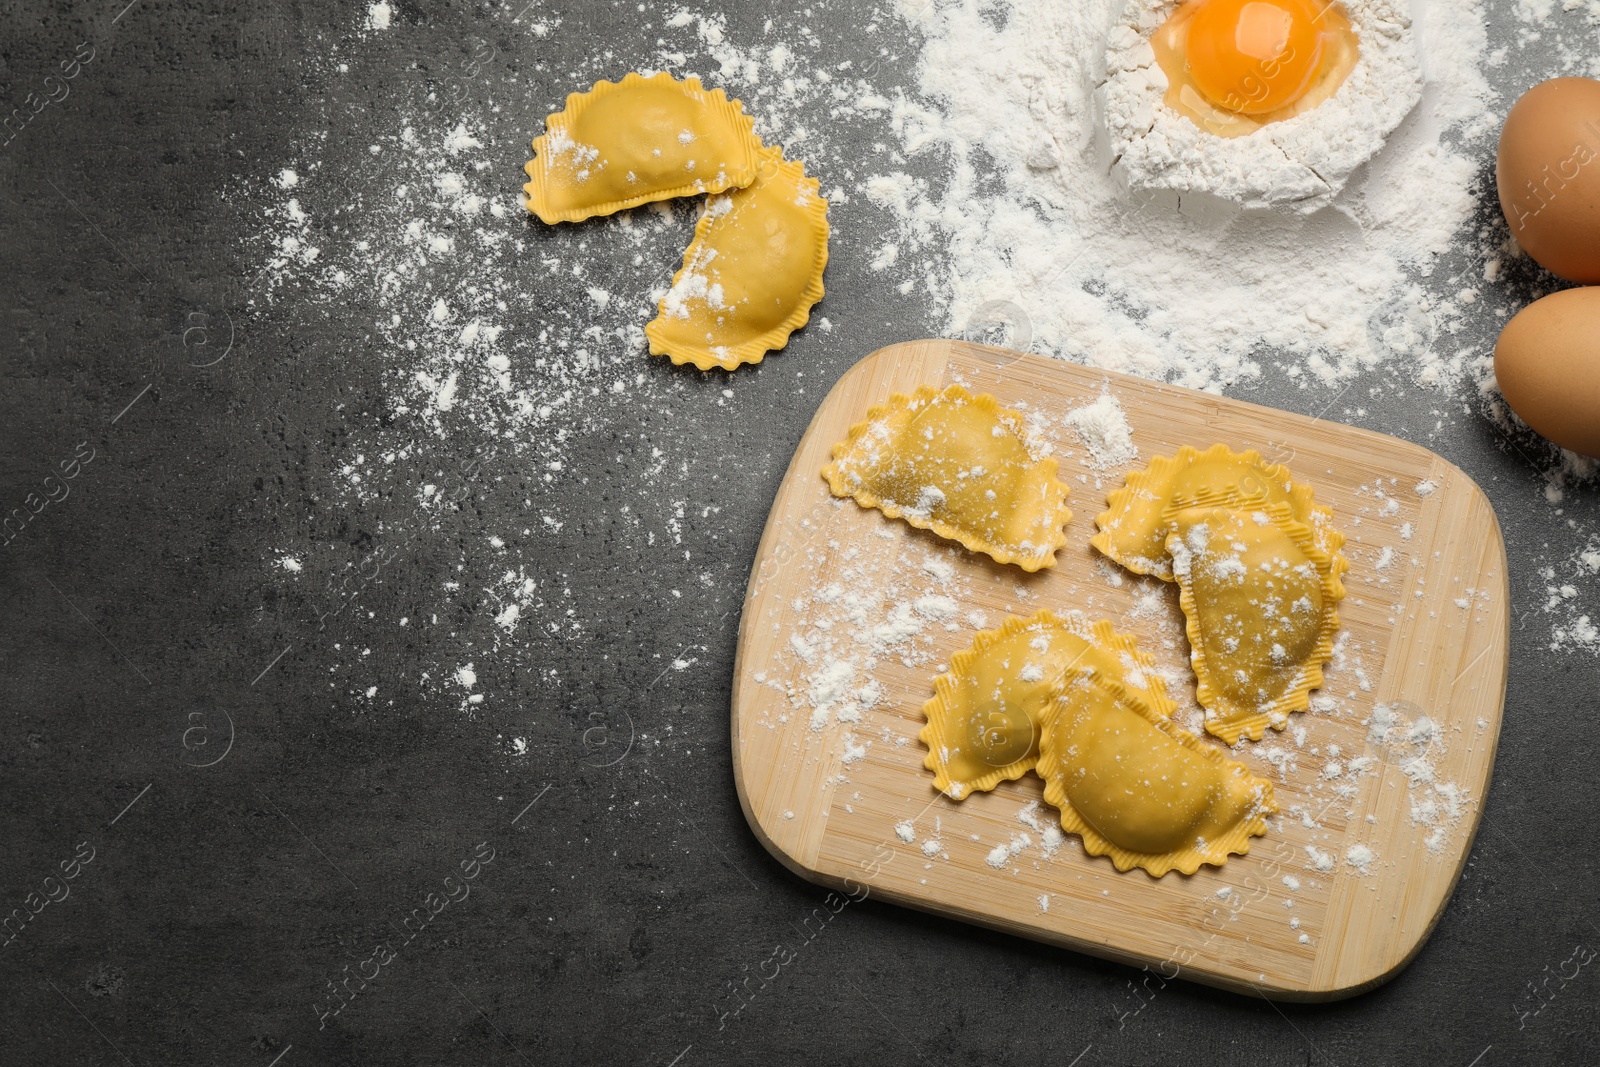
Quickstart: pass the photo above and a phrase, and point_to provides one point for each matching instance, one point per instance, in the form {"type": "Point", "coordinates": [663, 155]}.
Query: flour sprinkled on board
{"type": "Point", "coordinates": [1360, 857]}
{"type": "Point", "coordinates": [1102, 428]}
{"type": "Point", "coordinates": [867, 610]}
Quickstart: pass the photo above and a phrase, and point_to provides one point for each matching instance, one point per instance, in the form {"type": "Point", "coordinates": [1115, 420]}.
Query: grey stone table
{"type": "Point", "coordinates": [226, 849]}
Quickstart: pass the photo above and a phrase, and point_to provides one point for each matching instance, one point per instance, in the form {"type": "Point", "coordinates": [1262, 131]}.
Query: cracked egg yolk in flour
{"type": "Point", "coordinates": [1233, 66]}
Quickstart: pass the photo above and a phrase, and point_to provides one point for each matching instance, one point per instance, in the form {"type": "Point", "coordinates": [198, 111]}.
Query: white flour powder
{"type": "Point", "coordinates": [1031, 212]}
{"type": "Point", "coordinates": [1103, 430]}
{"type": "Point", "coordinates": [1300, 163]}
{"type": "Point", "coordinates": [1574, 628]}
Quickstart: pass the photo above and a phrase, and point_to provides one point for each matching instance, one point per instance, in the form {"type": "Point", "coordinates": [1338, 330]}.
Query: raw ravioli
{"type": "Point", "coordinates": [639, 140]}
{"type": "Point", "coordinates": [961, 466]}
{"type": "Point", "coordinates": [1258, 595]}
{"type": "Point", "coordinates": [751, 274]}
{"type": "Point", "coordinates": [1140, 790]}
{"type": "Point", "coordinates": [1134, 527]}
{"type": "Point", "coordinates": [988, 710]}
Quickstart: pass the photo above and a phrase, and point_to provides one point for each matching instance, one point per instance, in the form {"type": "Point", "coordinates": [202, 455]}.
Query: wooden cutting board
{"type": "Point", "coordinates": [849, 616]}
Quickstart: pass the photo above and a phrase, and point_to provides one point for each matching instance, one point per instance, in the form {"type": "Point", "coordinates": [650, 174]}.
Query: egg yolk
{"type": "Point", "coordinates": [1255, 56]}
{"type": "Point", "coordinates": [1235, 65]}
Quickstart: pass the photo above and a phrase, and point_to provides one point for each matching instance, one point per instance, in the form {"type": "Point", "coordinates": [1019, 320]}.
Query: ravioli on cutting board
{"type": "Point", "coordinates": [1134, 527]}
{"type": "Point", "coordinates": [961, 466]}
{"type": "Point", "coordinates": [1260, 569]}
{"type": "Point", "coordinates": [1140, 790]}
{"type": "Point", "coordinates": [1259, 598]}
{"type": "Point", "coordinates": [990, 707]}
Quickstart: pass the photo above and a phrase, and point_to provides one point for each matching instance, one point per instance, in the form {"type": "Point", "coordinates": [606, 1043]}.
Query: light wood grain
{"type": "Point", "coordinates": [1408, 639]}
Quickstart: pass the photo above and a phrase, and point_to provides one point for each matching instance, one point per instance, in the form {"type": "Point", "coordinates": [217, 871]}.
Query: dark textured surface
{"type": "Point", "coordinates": [221, 900]}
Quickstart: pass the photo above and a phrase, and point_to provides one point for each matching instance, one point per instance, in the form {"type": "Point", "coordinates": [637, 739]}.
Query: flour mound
{"type": "Point", "coordinates": [1300, 163]}
{"type": "Point", "coordinates": [1189, 290]}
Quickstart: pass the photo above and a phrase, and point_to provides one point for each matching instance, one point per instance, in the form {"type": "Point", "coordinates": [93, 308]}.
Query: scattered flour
{"type": "Point", "coordinates": [1572, 600]}
{"type": "Point", "coordinates": [1001, 855]}
{"type": "Point", "coordinates": [869, 608]}
{"type": "Point", "coordinates": [434, 250]}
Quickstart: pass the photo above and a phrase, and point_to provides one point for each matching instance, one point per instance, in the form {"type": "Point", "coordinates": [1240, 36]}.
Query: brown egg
{"type": "Point", "coordinates": [1548, 364]}
{"type": "Point", "coordinates": [1548, 175]}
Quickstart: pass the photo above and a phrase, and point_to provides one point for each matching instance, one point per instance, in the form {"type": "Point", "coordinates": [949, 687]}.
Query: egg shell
{"type": "Point", "coordinates": [1548, 364]}
{"type": "Point", "coordinates": [1547, 171]}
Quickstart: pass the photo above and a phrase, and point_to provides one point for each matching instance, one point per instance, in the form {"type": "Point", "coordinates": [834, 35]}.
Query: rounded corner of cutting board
{"type": "Point", "coordinates": [1481, 502]}
{"type": "Point", "coordinates": [749, 805]}
{"type": "Point", "coordinates": [1479, 506]}
{"type": "Point", "coordinates": [925, 360]}
{"type": "Point", "coordinates": [1347, 987]}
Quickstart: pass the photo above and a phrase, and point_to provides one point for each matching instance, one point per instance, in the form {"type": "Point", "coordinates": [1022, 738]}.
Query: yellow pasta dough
{"type": "Point", "coordinates": [751, 274]}
{"type": "Point", "coordinates": [1133, 529]}
{"type": "Point", "coordinates": [1140, 790]}
{"type": "Point", "coordinates": [632, 142]}
{"type": "Point", "coordinates": [1258, 595]}
{"type": "Point", "coordinates": [989, 708]}
{"type": "Point", "coordinates": [961, 466]}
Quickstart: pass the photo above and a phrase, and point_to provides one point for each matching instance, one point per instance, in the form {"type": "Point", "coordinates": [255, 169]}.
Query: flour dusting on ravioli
{"type": "Point", "coordinates": [961, 466]}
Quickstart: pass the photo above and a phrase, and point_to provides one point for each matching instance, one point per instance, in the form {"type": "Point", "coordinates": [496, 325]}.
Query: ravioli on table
{"type": "Point", "coordinates": [752, 273]}
{"type": "Point", "coordinates": [632, 142]}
